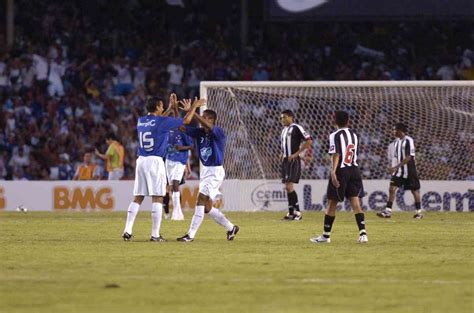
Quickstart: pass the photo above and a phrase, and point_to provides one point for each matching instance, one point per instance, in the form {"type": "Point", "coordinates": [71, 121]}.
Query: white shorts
{"type": "Point", "coordinates": [211, 180]}
{"type": "Point", "coordinates": [116, 174]}
{"type": "Point", "coordinates": [150, 177]}
{"type": "Point", "coordinates": [174, 170]}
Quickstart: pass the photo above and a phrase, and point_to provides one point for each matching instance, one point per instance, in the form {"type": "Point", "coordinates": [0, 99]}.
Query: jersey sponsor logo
{"type": "Point", "coordinates": [2, 199]}
{"type": "Point", "coordinates": [83, 198]}
{"type": "Point", "coordinates": [206, 152]}
{"type": "Point", "coordinates": [147, 124]}
{"type": "Point", "coordinates": [300, 5]}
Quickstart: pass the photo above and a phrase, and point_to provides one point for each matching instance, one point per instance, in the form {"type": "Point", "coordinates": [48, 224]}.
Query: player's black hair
{"type": "Point", "coordinates": [401, 127]}
{"type": "Point", "coordinates": [289, 113]}
{"type": "Point", "coordinates": [111, 136]}
{"type": "Point", "coordinates": [152, 103]}
{"type": "Point", "coordinates": [341, 118]}
{"type": "Point", "coordinates": [212, 114]}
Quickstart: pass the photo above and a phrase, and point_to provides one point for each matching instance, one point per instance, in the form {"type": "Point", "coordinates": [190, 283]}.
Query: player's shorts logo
{"type": "Point", "coordinates": [206, 153]}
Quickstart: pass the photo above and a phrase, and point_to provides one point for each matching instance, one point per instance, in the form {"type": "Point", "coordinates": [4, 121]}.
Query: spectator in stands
{"type": "Point", "coordinates": [57, 69]}
{"type": "Point", "coordinates": [176, 73]}
{"type": "Point", "coordinates": [19, 159]}
{"type": "Point", "coordinates": [19, 174]}
{"type": "Point", "coordinates": [65, 169]}
{"type": "Point", "coordinates": [3, 76]}
{"type": "Point", "coordinates": [41, 70]}
{"type": "Point", "coordinates": [3, 166]}
{"type": "Point", "coordinates": [102, 90]}
{"type": "Point", "coordinates": [260, 73]}
{"type": "Point", "coordinates": [124, 84]}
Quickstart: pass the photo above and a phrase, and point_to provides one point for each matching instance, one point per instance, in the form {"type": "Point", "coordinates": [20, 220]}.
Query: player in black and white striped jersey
{"type": "Point", "coordinates": [401, 154]}
{"type": "Point", "coordinates": [292, 137]}
{"type": "Point", "coordinates": [346, 179]}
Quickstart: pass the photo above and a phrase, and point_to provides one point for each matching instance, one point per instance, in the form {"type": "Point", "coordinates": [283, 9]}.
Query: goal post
{"type": "Point", "coordinates": [439, 115]}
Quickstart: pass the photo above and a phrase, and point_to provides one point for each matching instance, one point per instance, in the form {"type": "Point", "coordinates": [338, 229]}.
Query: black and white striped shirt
{"type": "Point", "coordinates": [398, 151]}
{"type": "Point", "coordinates": [344, 142]}
{"type": "Point", "coordinates": [291, 138]}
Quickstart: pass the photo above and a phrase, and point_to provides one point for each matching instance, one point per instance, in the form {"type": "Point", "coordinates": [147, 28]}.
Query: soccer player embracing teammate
{"type": "Point", "coordinates": [150, 175]}
{"type": "Point", "coordinates": [210, 141]}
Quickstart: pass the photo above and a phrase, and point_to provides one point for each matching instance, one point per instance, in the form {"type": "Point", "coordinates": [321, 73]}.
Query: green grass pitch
{"type": "Point", "coordinates": [77, 262]}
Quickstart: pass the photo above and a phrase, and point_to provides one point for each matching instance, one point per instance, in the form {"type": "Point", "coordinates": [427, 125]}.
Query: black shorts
{"type": "Point", "coordinates": [350, 184]}
{"type": "Point", "coordinates": [410, 183]}
{"type": "Point", "coordinates": [291, 171]}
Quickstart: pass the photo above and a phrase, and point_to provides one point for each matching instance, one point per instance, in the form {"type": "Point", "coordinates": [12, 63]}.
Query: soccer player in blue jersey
{"type": "Point", "coordinates": [210, 141]}
{"type": "Point", "coordinates": [150, 176]}
{"type": "Point", "coordinates": [177, 156]}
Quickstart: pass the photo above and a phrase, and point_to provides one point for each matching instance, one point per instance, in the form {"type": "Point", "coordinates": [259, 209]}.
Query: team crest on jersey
{"type": "Point", "coordinates": [206, 152]}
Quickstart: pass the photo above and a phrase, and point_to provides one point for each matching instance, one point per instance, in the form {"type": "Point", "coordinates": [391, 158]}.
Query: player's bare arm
{"type": "Point", "coordinates": [405, 161]}
{"type": "Point", "coordinates": [174, 104]}
{"type": "Point", "coordinates": [186, 105]}
{"type": "Point", "coordinates": [191, 113]}
{"type": "Point", "coordinates": [335, 161]}
{"type": "Point", "coordinates": [172, 107]}
{"type": "Point", "coordinates": [203, 122]}
{"type": "Point", "coordinates": [306, 145]}
{"type": "Point", "coordinates": [182, 148]}
{"type": "Point", "coordinates": [104, 157]}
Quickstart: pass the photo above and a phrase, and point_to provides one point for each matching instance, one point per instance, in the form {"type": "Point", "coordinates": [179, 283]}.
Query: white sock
{"type": "Point", "coordinates": [220, 219]}
{"type": "Point", "coordinates": [196, 221]}
{"type": "Point", "coordinates": [156, 211]}
{"type": "Point", "coordinates": [176, 203]}
{"type": "Point", "coordinates": [131, 214]}
{"type": "Point", "coordinates": [388, 210]}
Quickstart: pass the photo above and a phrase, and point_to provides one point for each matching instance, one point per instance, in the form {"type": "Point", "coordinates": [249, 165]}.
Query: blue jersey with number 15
{"type": "Point", "coordinates": [153, 134]}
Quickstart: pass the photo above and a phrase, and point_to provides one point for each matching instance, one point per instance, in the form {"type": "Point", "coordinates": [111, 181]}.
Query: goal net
{"type": "Point", "coordinates": [439, 116]}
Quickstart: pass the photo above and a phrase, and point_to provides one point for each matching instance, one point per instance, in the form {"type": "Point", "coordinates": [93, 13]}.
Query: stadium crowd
{"type": "Point", "coordinates": [73, 75]}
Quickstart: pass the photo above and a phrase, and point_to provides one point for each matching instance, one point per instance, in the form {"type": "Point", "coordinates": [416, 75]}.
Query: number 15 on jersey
{"type": "Point", "coordinates": [146, 141]}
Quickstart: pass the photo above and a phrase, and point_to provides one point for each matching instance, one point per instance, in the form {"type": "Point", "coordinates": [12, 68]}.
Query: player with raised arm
{"type": "Point", "coordinates": [174, 112]}
{"type": "Point", "coordinates": [210, 140]}
{"type": "Point", "coordinates": [401, 153]}
{"type": "Point", "coordinates": [150, 175]}
{"type": "Point", "coordinates": [292, 137]}
{"type": "Point", "coordinates": [176, 164]}
{"type": "Point", "coordinates": [346, 179]}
